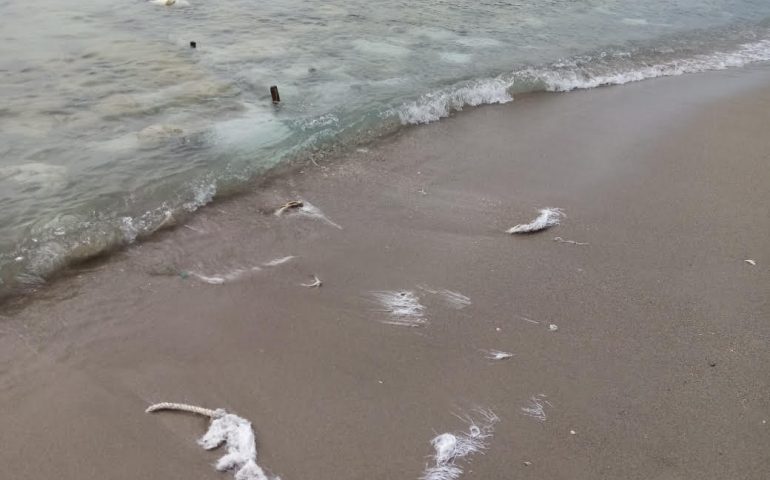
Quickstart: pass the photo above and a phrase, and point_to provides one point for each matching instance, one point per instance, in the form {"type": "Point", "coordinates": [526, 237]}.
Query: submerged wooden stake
{"type": "Point", "coordinates": [193, 44]}
{"type": "Point", "coordinates": [274, 94]}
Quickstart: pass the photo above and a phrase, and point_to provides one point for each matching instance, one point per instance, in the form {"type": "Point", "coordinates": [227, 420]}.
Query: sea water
{"type": "Point", "coordinates": [112, 126]}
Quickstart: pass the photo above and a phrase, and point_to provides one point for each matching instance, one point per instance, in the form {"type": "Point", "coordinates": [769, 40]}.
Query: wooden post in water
{"type": "Point", "coordinates": [193, 45]}
{"type": "Point", "coordinates": [274, 94]}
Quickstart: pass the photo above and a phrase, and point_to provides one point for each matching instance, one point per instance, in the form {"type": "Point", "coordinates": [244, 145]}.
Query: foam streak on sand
{"type": "Point", "coordinates": [278, 261]}
{"type": "Point", "coordinates": [403, 306]}
{"type": "Point", "coordinates": [536, 408]}
{"type": "Point", "coordinates": [309, 210]}
{"type": "Point", "coordinates": [497, 355]}
{"type": "Point", "coordinates": [455, 300]}
{"type": "Point", "coordinates": [451, 447]}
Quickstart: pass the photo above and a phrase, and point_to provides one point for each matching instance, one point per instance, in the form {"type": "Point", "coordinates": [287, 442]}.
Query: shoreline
{"type": "Point", "coordinates": [660, 294]}
{"type": "Point", "coordinates": [426, 109]}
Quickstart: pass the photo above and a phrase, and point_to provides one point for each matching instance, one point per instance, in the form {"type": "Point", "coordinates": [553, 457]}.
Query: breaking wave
{"type": "Point", "coordinates": [604, 68]}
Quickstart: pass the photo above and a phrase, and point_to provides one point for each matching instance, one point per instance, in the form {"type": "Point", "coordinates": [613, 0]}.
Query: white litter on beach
{"type": "Point", "coordinates": [307, 209]}
{"type": "Point", "coordinates": [553, 327]}
{"type": "Point", "coordinates": [536, 409]}
{"type": "Point", "coordinates": [316, 283]}
{"type": "Point", "coordinates": [232, 431]}
{"type": "Point", "coordinates": [278, 261]}
{"type": "Point", "coordinates": [451, 447]}
{"type": "Point", "coordinates": [403, 306]}
{"type": "Point", "coordinates": [573, 242]}
{"type": "Point", "coordinates": [497, 355]}
{"type": "Point", "coordinates": [225, 277]}
{"type": "Point", "coordinates": [548, 217]}
{"type": "Point", "coordinates": [751, 262]}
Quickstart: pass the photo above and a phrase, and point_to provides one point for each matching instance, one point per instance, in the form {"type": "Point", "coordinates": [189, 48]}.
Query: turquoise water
{"type": "Point", "coordinates": [111, 126]}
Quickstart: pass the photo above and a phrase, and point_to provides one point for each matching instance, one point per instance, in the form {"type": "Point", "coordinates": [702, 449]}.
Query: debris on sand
{"type": "Point", "coordinates": [536, 408]}
{"type": "Point", "coordinates": [548, 217]}
{"type": "Point", "coordinates": [751, 262]}
{"type": "Point", "coordinates": [316, 283]}
{"type": "Point", "coordinates": [553, 327]}
{"type": "Point", "coordinates": [288, 206]}
{"type": "Point", "coordinates": [305, 208]}
{"type": "Point", "coordinates": [451, 447]}
{"type": "Point", "coordinates": [498, 355]}
{"type": "Point", "coordinates": [232, 431]}
{"type": "Point", "coordinates": [403, 306]}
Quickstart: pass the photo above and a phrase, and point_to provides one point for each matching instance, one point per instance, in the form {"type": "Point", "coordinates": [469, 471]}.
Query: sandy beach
{"type": "Point", "coordinates": [660, 364]}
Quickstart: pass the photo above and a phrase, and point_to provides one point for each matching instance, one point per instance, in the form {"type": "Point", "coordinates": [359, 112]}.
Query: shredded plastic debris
{"type": "Point", "coordinates": [553, 327]}
{"type": "Point", "coordinates": [498, 355]}
{"type": "Point", "coordinates": [751, 262]}
{"type": "Point", "coordinates": [548, 217]}
{"type": "Point", "coordinates": [536, 408]}
{"type": "Point", "coordinates": [403, 306]}
{"type": "Point", "coordinates": [573, 242]}
{"type": "Point", "coordinates": [232, 431]}
{"type": "Point", "coordinates": [316, 283]}
{"type": "Point", "coordinates": [451, 447]}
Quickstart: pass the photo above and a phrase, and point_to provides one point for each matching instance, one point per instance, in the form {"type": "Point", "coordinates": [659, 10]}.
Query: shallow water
{"type": "Point", "coordinates": [111, 126]}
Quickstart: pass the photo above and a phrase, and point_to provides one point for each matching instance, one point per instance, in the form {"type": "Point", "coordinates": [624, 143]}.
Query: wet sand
{"type": "Point", "coordinates": [660, 363]}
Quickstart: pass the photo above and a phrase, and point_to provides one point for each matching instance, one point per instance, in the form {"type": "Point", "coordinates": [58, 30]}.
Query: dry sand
{"type": "Point", "coordinates": [660, 364]}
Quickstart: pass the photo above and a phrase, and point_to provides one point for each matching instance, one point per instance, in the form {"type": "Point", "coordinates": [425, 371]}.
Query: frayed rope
{"type": "Point", "coordinates": [233, 431]}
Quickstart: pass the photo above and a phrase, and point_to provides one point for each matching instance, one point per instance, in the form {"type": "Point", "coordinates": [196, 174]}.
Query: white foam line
{"type": "Point", "coordinates": [278, 261]}
{"type": "Point", "coordinates": [536, 408]}
{"type": "Point", "coordinates": [436, 105]}
{"type": "Point", "coordinates": [230, 430]}
{"type": "Point", "coordinates": [548, 217]}
{"type": "Point", "coordinates": [452, 447]}
{"type": "Point", "coordinates": [564, 80]}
